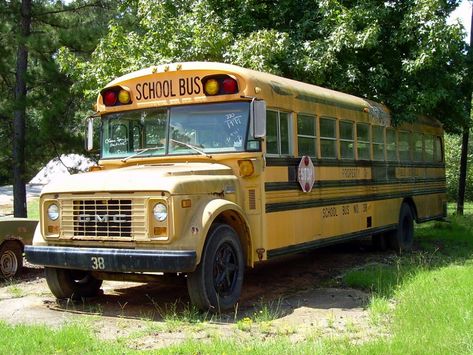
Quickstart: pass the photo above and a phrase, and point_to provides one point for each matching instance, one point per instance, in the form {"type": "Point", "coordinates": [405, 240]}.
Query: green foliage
{"type": "Point", "coordinates": [401, 53]}
{"type": "Point", "coordinates": [452, 167]}
{"type": "Point", "coordinates": [54, 115]}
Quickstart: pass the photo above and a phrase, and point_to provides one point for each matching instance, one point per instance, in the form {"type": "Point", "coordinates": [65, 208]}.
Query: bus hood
{"type": "Point", "coordinates": [176, 178]}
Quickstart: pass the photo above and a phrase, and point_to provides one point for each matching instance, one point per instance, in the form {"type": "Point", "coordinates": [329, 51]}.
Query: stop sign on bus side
{"type": "Point", "coordinates": [305, 173]}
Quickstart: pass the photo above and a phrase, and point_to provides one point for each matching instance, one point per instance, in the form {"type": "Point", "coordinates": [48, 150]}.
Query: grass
{"type": "Point", "coordinates": [422, 300]}
{"type": "Point", "coordinates": [15, 291]}
{"type": "Point", "coordinates": [178, 315]}
{"type": "Point", "coordinates": [69, 339]}
{"type": "Point", "coordinates": [33, 208]}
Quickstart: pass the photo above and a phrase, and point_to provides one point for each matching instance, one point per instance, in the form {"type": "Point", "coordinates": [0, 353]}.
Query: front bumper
{"type": "Point", "coordinates": [112, 260]}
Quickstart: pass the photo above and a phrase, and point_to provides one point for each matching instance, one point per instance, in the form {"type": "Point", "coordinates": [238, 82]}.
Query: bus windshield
{"type": "Point", "coordinates": [180, 130]}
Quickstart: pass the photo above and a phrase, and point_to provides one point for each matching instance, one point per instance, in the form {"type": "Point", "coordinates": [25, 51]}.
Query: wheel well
{"type": "Point", "coordinates": [16, 241]}
{"type": "Point", "coordinates": [412, 205]}
{"type": "Point", "coordinates": [233, 219]}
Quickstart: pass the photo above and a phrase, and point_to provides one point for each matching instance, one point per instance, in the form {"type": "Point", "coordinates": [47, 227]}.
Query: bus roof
{"type": "Point", "coordinates": [280, 87]}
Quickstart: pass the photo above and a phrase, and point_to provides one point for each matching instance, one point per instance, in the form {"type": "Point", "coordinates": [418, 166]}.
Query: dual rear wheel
{"type": "Point", "coordinates": [400, 239]}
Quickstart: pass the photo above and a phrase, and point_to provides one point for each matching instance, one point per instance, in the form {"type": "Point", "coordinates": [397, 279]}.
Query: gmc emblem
{"type": "Point", "coordinates": [117, 218]}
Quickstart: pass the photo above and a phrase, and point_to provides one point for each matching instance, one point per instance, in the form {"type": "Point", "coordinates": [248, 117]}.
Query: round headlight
{"type": "Point", "coordinates": [53, 212]}
{"type": "Point", "coordinates": [160, 212]}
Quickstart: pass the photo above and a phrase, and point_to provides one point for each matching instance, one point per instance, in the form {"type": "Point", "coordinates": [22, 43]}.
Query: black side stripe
{"type": "Point", "coordinates": [297, 248]}
{"type": "Point", "coordinates": [298, 205]}
{"type": "Point", "coordinates": [294, 185]}
{"type": "Point", "coordinates": [291, 161]}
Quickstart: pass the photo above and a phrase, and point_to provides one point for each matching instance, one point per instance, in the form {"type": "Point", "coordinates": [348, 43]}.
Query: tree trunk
{"type": "Point", "coordinates": [466, 129]}
{"type": "Point", "coordinates": [19, 116]}
{"type": "Point", "coordinates": [463, 169]}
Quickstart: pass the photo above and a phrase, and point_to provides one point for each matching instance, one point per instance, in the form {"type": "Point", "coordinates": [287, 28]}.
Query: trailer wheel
{"type": "Point", "coordinates": [11, 259]}
{"type": "Point", "coordinates": [75, 284]}
{"type": "Point", "coordinates": [216, 283]}
{"type": "Point", "coordinates": [402, 238]}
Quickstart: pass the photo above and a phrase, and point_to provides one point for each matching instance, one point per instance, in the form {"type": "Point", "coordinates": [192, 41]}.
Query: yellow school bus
{"type": "Point", "coordinates": [207, 169]}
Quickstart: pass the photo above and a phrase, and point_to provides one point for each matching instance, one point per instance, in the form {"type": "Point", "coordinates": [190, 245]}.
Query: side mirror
{"type": "Point", "coordinates": [258, 113]}
{"type": "Point", "coordinates": [89, 144]}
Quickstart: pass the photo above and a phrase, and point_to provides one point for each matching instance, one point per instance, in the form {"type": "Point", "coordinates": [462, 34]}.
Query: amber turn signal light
{"type": "Point", "coordinates": [246, 168]}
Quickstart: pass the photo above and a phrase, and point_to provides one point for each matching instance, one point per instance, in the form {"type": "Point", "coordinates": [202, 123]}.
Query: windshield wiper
{"type": "Point", "coordinates": [190, 146]}
{"type": "Point", "coordinates": [141, 151]}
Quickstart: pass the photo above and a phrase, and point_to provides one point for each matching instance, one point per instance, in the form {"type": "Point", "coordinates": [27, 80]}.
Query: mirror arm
{"type": "Point", "coordinates": [90, 132]}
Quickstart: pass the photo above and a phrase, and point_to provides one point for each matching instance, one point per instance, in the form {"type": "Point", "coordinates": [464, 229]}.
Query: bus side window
{"type": "Point", "coordinates": [404, 146]}
{"type": "Point", "coordinates": [306, 135]}
{"type": "Point", "coordinates": [347, 140]}
{"type": "Point", "coordinates": [391, 144]}
{"type": "Point", "coordinates": [418, 146]}
{"type": "Point", "coordinates": [272, 132]}
{"type": "Point", "coordinates": [278, 132]}
{"type": "Point", "coordinates": [328, 138]}
{"type": "Point", "coordinates": [429, 148]}
{"type": "Point", "coordinates": [284, 129]}
{"type": "Point", "coordinates": [438, 150]}
{"type": "Point", "coordinates": [378, 142]}
{"type": "Point", "coordinates": [363, 141]}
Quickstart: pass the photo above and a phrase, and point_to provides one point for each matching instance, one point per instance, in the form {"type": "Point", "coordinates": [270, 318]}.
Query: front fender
{"type": "Point", "coordinates": [38, 238]}
{"type": "Point", "coordinates": [205, 216]}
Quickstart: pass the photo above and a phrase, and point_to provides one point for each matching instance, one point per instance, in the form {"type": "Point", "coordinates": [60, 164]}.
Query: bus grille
{"type": "Point", "coordinates": [112, 218]}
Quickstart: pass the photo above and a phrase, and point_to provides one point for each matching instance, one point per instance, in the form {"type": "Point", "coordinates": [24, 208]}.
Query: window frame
{"type": "Point", "coordinates": [278, 134]}
{"type": "Point", "coordinates": [377, 144]}
{"type": "Point", "coordinates": [345, 140]}
{"type": "Point", "coordinates": [358, 141]}
{"type": "Point", "coordinates": [409, 145]}
{"type": "Point", "coordinates": [306, 136]}
{"type": "Point", "coordinates": [396, 155]}
{"type": "Point", "coordinates": [415, 146]}
{"type": "Point", "coordinates": [332, 139]}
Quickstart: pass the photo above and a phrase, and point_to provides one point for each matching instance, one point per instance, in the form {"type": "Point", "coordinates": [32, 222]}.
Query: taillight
{"type": "Point", "coordinates": [219, 85]}
{"type": "Point", "coordinates": [230, 86]}
{"type": "Point", "coordinates": [115, 96]}
{"type": "Point", "coordinates": [109, 98]}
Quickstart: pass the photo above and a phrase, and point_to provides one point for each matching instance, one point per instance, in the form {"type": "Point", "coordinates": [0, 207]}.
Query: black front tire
{"type": "Point", "coordinates": [216, 283]}
{"type": "Point", "coordinates": [11, 259]}
{"type": "Point", "coordinates": [402, 238]}
{"type": "Point", "coordinates": [75, 284]}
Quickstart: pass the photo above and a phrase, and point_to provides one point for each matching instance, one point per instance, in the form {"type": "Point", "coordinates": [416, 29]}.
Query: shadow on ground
{"type": "Point", "coordinates": [310, 280]}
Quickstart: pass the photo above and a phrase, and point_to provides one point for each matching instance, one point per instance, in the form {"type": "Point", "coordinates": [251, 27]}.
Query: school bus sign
{"type": "Point", "coordinates": [305, 174]}
{"type": "Point", "coordinates": [172, 88]}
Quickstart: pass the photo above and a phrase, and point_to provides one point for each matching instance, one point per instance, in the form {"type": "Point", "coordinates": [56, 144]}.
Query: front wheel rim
{"type": "Point", "coordinates": [225, 270]}
{"type": "Point", "coordinates": [8, 264]}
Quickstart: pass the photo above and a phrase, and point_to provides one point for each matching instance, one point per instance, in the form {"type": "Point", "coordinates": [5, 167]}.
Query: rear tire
{"type": "Point", "coordinates": [11, 259]}
{"type": "Point", "coordinates": [75, 284]}
{"type": "Point", "coordinates": [402, 238]}
{"type": "Point", "coordinates": [216, 283]}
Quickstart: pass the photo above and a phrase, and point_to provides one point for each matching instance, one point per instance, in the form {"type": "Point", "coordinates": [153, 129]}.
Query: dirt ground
{"type": "Point", "coordinates": [300, 296]}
